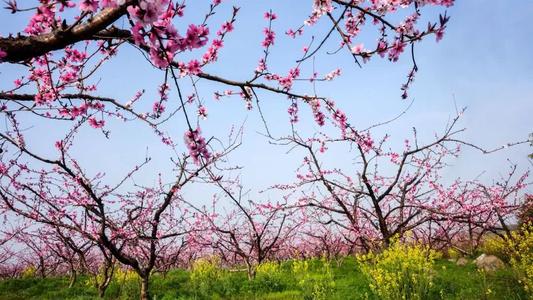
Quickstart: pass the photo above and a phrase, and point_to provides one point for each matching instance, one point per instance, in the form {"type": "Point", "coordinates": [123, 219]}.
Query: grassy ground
{"type": "Point", "coordinates": [450, 282]}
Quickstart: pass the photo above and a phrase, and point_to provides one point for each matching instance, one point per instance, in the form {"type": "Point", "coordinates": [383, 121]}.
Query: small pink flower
{"type": "Point", "coordinates": [95, 123]}
{"type": "Point", "coordinates": [2, 54]}
{"type": "Point", "coordinates": [3, 169]}
{"type": "Point", "coordinates": [89, 5]}
{"type": "Point", "coordinates": [293, 112]}
{"type": "Point", "coordinates": [382, 48]}
{"type": "Point", "coordinates": [158, 108]}
{"type": "Point", "coordinates": [226, 27]}
{"type": "Point", "coordinates": [193, 67]}
{"type": "Point", "coordinates": [397, 49]}
{"type": "Point", "coordinates": [202, 112]}
{"type": "Point", "coordinates": [108, 3]}
{"type": "Point", "coordinates": [291, 33]}
{"type": "Point", "coordinates": [357, 49]}
{"type": "Point", "coordinates": [439, 34]}
{"type": "Point", "coordinates": [261, 67]}
{"type": "Point", "coordinates": [269, 37]}
{"type": "Point", "coordinates": [270, 16]}
{"type": "Point", "coordinates": [331, 75]}
{"type": "Point", "coordinates": [196, 36]}
{"type": "Point", "coordinates": [197, 145]}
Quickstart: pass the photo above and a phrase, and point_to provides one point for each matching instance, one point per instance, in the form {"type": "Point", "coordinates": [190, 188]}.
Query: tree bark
{"type": "Point", "coordinates": [251, 271]}
{"type": "Point", "coordinates": [102, 287]}
{"type": "Point", "coordinates": [145, 293]}
{"type": "Point", "coordinates": [73, 277]}
{"type": "Point", "coordinates": [42, 271]}
{"type": "Point", "coordinates": [101, 290]}
{"type": "Point", "coordinates": [23, 48]}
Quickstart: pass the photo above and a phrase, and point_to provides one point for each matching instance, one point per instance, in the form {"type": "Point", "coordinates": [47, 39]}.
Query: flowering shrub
{"type": "Point", "coordinates": [314, 286]}
{"type": "Point", "coordinates": [125, 275]}
{"type": "Point", "coordinates": [128, 282]}
{"type": "Point", "coordinates": [29, 272]}
{"type": "Point", "coordinates": [520, 247]}
{"type": "Point", "coordinates": [495, 245]}
{"type": "Point", "coordinates": [401, 271]}
{"type": "Point", "coordinates": [205, 274]}
{"type": "Point", "coordinates": [270, 275]}
{"type": "Point", "coordinates": [452, 253]}
{"type": "Point", "coordinates": [300, 269]}
{"type": "Point", "coordinates": [517, 250]}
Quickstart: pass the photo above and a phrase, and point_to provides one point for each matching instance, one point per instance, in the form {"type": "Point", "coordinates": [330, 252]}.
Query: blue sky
{"type": "Point", "coordinates": [484, 62]}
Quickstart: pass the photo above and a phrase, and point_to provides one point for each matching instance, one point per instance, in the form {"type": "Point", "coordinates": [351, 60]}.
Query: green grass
{"type": "Point", "coordinates": [450, 282]}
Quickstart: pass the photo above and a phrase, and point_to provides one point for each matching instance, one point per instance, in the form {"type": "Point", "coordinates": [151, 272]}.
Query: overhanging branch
{"type": "Point", "coordinates": [22, 48]}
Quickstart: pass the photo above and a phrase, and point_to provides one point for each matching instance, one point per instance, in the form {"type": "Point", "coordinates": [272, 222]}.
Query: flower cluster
{"type": "Point", "coordinates": [197, 146]}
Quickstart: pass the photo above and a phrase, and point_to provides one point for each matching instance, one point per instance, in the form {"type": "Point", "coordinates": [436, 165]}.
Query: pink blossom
{"type": "Point", "coordinates": [269, 37]}
{"type": "Point", "coordinates": [89, 5]}
{"type": "Point", "coordinates": [319, 115]}
{"type": "Point", "coordinates": [197, 145]}
{"type": "Point", "coordinates": [3, 169]}
{"type": "Point", "coordinates": [261, 67]}
{"type": "Point", "coordinates": [342, 120]}
{"type": "Point", "coordinates": [382, 48]}
{"type": "Point", "coordinates": [357, 49]}
{"type": "Point", "coordinates": [202, 112]}
{"type": "Point", "coordinates": [96, 123]}
{"type": "Point", "coordinates": [293, 33]}
{"type": "Point", "coordinates": [158, 108]}
{"type": "Point", "coordinates": [331, 75]}
{"type": "Point", "coordinates": [158, 58]}
{"type": "Point", "coordinates": [286, 82]}
{"type": "Point", "coordinates": [397, 49]}
{"type": "Point", "coordinates": [74, 55]}
{"type": "Point", "coordinates": [394, 157]}
{"type": "Point", "coordinates": [196, 36]}
{"type": "Point", "coordinates": [270, 16]}
{"type": "Point", "coordinates": [42, 21]}
{"type": "Point", "coordinates": [68, 77]}
{"type": "Point", "coordinates": [293, 112]}
{"type": "Point", "coordinates": [108, 3]}
{"type": "Point", "coordinates": [439, 34]}
{"type": "Point", "coordinates": [193, 67]}
{"type": "Point", "coordinates": [163, 91]}
{"type": "Point", "coordinates": [136, 32]}
{"type": "Point", "coordinates": [226, 27]}
{"type": "Point", "coordinates": [212, 52]}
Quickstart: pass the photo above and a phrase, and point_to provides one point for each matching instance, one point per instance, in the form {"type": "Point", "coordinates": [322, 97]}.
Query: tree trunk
{"type": "Point", "coordinates": [107, 273]}
{"type": "Point", "coordinates": [101, 290]}
{"type": "Point", "coordinates": [251, 271]}
{"type": "Point", "coordinates": [103, 286]}
{"type": "Point", "coordinates": [386, 241]}
{"type": "Point", "coordinates": [41, 267]}
{"type": "Point", "coordinates": [470, 237]}
{"type": "Point", "coordinates": [73, 277]}
{"type": "Point", "coordinates": [145, 294]}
